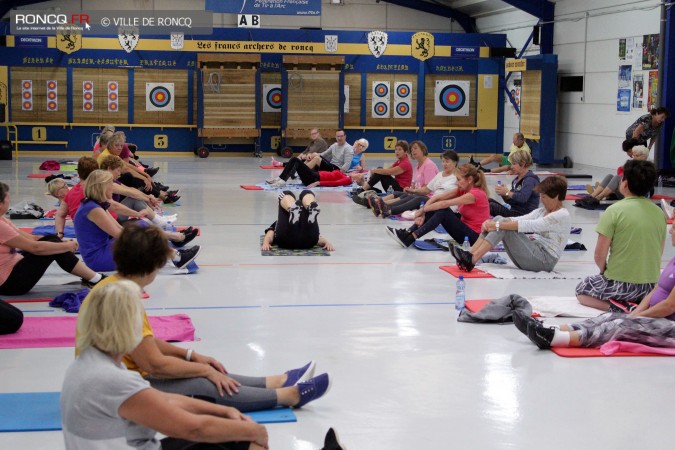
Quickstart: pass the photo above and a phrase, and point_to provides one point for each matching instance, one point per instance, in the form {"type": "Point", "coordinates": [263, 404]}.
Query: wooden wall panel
{"type": "Point", "coordinates": [353, 117]}
{"type": "Point", "coordinates": [39, 77]}
{"type": "Point", "coordinates": [179, 115]}
{"type": "Point", "coordinates": [100, 78]}
{"type": "Point", "coordinates": [313, 97]}
{"type": "Point", "coordinates": [232, 103]}
{"type": "Point", "coordinates": [431, 120]}
{"type": "Point", "coordinates": [392, 78]}
{"type": "Point", "coordinates": [270, 119]}
{"type": "Point", "coordinates": [530, 103]}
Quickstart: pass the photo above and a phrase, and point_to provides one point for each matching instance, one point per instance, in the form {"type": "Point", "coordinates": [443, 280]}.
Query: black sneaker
{"type": "Point", "coordinates": [314, 211]}
{"type": "Point", "coordinates": [465, 259]}
{"type": "Point", "coordinates": [294, 214]}
{"type": "Point", "coordinates": [187, 256]}
{"type": "Point", "coordinates": [522, 322]}
{"type": "Point", "coordinates": [473, 163]}
{"type": "Point", "coordinates": [403, 237]}
{"type": "Point", "coordinates": [189, 237]}
{"type": "Point", "coordinates": [332, 442]}
{"type": "Point", "coordinates": [621, 306]}
{"type": "Point", "coordinates": [171, 199]}
{"type": "Point", "coordinates": [374, 204]}
{"type": "Point", "coordinates": [89, 284]}
{"type": "Point", "coordinates": [542, 336]}
{"type": "Point", "coordinates": [152, 171]}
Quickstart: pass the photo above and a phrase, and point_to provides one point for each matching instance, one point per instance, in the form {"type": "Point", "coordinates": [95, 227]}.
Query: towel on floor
{"type": "Point", "coordinates": [569, 271]}
{"type": "Point", "coordinates": [47, 332]}
{"type": "Point", "coordinates": [556, 306]}
{"type": "Point", "coordinates": [70, 301]}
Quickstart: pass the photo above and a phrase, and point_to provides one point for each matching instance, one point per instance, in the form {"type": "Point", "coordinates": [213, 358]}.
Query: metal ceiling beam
{"type": "Point", "coordinates": [543, 10]}
{"type": "Point", "coordinates": [464, 20]}
{"type": "Point", "coordinates": [6, 6]}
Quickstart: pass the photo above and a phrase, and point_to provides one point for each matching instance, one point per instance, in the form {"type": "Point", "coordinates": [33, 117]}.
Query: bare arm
{"type": "Point", "coordinates": [397, 170]}
{"type": "Point", "coordinates": [60, 217]}
{"type": "Point", "coordinates": [193, 420]}
{"type": "Point", "coordinates": [267, 241]}
{"type": "Point", "coordinates": [601, 252]}
{"type": "Point", "coordinates": [105, 222]}
{"type": "Point", "coordinates": [30, 245]}
{"type": "Point", "coordinates": [325, 244]}
{"type": "Point", "coordinates": [661, 309]}
{"type": "Point", "coordinates": [119, 208]}
{"type": "Point", "coordinates": [130, 192]}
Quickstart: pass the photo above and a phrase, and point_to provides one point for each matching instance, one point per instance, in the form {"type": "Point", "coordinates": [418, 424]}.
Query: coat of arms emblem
{"type": "Point", "coordinates": [377, 42]}
{"type": "Point", "coordinates": [128, 37]}
{"type": "Point", "coordinates": [68, 38]}
{"type": "Point", "coordinates": [422, 45]}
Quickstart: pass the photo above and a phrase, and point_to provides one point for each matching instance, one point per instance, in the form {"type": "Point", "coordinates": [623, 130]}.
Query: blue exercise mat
{"type": "Point", "coordinates": [41, 411]}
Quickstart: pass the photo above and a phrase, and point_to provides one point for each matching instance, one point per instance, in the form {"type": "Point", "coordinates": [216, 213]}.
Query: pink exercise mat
{"type": "Point", "coordinates": [46, 332]}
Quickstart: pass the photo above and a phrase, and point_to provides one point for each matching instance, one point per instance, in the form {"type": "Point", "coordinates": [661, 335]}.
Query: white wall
{"type": "Point", "coordinates": [589, 129]}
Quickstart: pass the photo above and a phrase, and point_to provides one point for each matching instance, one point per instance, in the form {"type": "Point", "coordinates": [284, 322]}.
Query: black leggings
{"type": "Point", "coordinates": [301, 234]}
{"type": "Point", "coordinates": [407, 202]}
{"type": "Point", "coordinates": [130, 181]}
{"type": "Point", "coordinates": [385, 180]}
{"type": "Point", "coordinates": [180, 444]}
{"type": "Point", "coordinates": [307, 175]}
{"type": "Point", "coordinates": [11, 318]}
{"type": "Point", "coordinates": [450, 221]}
{"type": "Point", "coordinates": [27, 272]}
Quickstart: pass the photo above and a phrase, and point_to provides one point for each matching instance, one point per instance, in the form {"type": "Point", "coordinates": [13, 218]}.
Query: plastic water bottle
{"type": "Point", "coordinates": [422, 205]}
{"type": "Point", "coordinates": [466, 245]}
{"type": "Point", "coordinates": [390, 190]}
{"type": "Point", "coordinates": [660, 185]}
{"type": "Point", "coordinates": [460, 294]}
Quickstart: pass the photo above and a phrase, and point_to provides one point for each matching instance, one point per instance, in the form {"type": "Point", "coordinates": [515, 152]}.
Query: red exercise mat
{"type": "Point", "coordinates": [39, 175]}
{"type": "Point", "coordinates": [272, 167]}
{"type": "Point", "coordinates": [664, 197]}
{"type": "Point", "coordinates": [456, 272]}
{"type": "Point", "coordinates": [27, 300]}
{"type": "Point", "coordinates": [578, 352]}
{"type": "Point", "coordinates": [573, 197]}
{"type": "Point", "coordinates": [475, 305]}
{"type": "Point", "coordinates": [251, 188]}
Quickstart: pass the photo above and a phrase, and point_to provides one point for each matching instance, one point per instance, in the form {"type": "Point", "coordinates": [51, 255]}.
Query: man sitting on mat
{"type": "Point", "coordinates": [652, 322]}
{"type": "Point", "coordinates": [296, 226]}
{"type": "Point", "coordinates": [632, 232]}
{"type": "Point", "coordinates": [337, 157]}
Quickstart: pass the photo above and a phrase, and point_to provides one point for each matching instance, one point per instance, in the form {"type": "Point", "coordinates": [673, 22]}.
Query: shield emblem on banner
{"type": "Point", "coordinates": [177, 40]}
{"type": "Point", "coordinates": [128, 38]}
{"type": "Point", "coordinates": [377, 43]}
{"type": "Point", "coordinates": [68, 38]}
{"type": "Point", "coordinates": [422, 45]}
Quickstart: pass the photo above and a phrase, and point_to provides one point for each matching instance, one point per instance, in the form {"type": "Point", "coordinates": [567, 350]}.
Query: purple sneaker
{"type": "Point", "coordinates": [300, 375]}
{"type": "Point", "coordinates": [312, 389]}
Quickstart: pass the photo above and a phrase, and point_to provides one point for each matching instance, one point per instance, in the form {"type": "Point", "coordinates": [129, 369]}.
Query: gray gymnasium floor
{"type": "Point", "coordinates": [380, 319]}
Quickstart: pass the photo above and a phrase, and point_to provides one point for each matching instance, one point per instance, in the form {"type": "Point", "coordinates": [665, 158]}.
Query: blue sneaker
{"type": "Point", "coordinates": [300, 375]}
{"type": "Point", "coordinates": [312, 389]}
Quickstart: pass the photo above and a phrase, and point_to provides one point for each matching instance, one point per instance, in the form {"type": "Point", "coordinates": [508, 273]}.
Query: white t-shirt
{"type": "Point", "coordinates": [93, 390]}
{"type": "Point", "coordinates": [440, 184]}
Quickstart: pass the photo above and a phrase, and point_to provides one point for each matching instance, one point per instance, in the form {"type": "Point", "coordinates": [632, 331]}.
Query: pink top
{"type": "Point", "coordinates": [404, 178]}
{"type": "Point", "coordinates": [8, 255]}
{"type": "Point", "coordinates": [425, 172]}
{"type": "Point", "coordinates": [474, 214]}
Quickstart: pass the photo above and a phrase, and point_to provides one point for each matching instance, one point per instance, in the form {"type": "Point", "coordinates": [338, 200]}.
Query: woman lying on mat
{"type": "Point", "coordinates": [413, 197]}
{"type": "Point", "coordinates": [105, 406]}
{"type": "Point", "coordinates": [139, 254]}
{"type": "Point", "coordinates": [550, 225]}
{"type": "Point", "coordinates": [608, 188]}
{"type": "Point", "coordinates": [522, 196]}
{"type": "Point", "coordinates": [311, 177]}
{"type": "Point", "coordinates": [652, 322]}
{"type": "Point", "coordinates": [20, 271]}
{"type": "Point", "coordinates": [296, 226]}
{"type": "Point", "coordinates": [96, 230]}
{"type": "Point", "coordinates": [471, 200]}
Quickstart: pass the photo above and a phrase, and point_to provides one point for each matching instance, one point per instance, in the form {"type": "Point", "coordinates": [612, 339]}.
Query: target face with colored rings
{"type": "Point", "coordinates": [51, 105]}
{"type": "Point", "coordinates": [381, 108]}
{"type": "Point", "coordinates": [452, 98]}
{"type": "Point", "coordinates": [402, 109]}
{"type": "Point", "coordinates": [27, 105]}
{"type": "Point", "coordinates": [88, 96]}
{"type": "Point", "coordinates": [88, 106]}
{"type": "Point", "coordinates": [27, 95]}
{"type": "Point", "coordinates": [112, 96]}
{"type": "Point", "coordinates": [112, 86]}
{"type": "Point", "coordinates": [160, 97]}
{"type": "Point", "coordinates": [27, 84]}
{"type": "Point", "coordinates": [381, 90]}
{"type": "Point", "coordinates": [51, 95]}
{"type": "Point", "coordinates": [274, 98]}
{"type": "Point", "coordinates": [402, 90]}
{"type": "Point", "coordinates": [51, 85]}
{"type": "Point", "coordinates": [88, 86]}
{"type": "Point", "coordinates": [112, 106]}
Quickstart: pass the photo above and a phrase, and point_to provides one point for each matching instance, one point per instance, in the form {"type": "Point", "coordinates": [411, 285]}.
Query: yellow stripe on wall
{"type": "Point", "coordinates": [487, 106]}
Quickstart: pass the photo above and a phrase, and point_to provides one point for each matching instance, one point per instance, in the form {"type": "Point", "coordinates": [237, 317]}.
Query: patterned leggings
{"type": "Point", "coordinates": [617, 326]}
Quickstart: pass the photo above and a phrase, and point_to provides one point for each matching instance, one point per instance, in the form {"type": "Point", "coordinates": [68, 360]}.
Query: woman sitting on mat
{"type": "Point", "coordinates": [608, 188]}
{"type": "Point", "coordinates": [359, 159]}
{"type": "Point", "coordinates": [550, 225]}
{"type": "Point", "coordinates": [96, 230]}
{"type": "Point", "coordinates": [471, 202]}
{"type": "Point", "coordinates": [398, 176]}
{"type": "Point", "coordinates": [652, 322]}
{"type": "Point", "coordinates": [102, 141]}
{"type": "Point", "coordinates": [139, 254]}
{"type": "Point", "coordinates": [522, 198]}
{"type": "Point", "coordinates": [105, 406]}
{"type": "Point", "coordinates": [296, 226]}
{"type": "Point", "coordinates": [412, 198]}
{"type": "Point", "coordinates": [20, 271]}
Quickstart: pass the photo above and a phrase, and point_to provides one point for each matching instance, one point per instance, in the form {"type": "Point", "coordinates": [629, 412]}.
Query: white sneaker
{"type": "Point", "coordinates": [272, 180]}
{"type": "Point", "coordinates": [667, 209]}
{"type": "Point", "coordinates": [278, 183]}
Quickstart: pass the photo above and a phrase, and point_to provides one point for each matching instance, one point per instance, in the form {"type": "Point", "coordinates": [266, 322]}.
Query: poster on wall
{"type": "Point", "coordinates": [113, 96]}
{"type": "Point", "coordinates": [451, 98]}
{"type": "Point", "coordinates": [638, 91]}
{"type": "Point", "coordinates": [622, 49]}
{"type": "Point", "coordinates": [650, 52]}
{"type": "Point", "coordinates": [272, 98]}
{"type": "Point", "coordinates": [26, 95]}
{"type": "Point", "coordinates": [623, 101]}
{"type": "Point", "coordinates": [52, 95]}
{"type": "Point", "coordinates": [159, 96]}
{"type": "Point", "coordinates": [652, 93]}
{"type": "Point", "coordinates": [635, 51]}
{"type": "Point", "coordinates": [346, 103]}
{"type": "Point", "coordinates": [625, 73]}
{"type": "Point", "coordinates": [87, 96]}
{"type": "Point", "coordinates": [402, 100]}
{"type": "Point", "coordinates": [381, 97]}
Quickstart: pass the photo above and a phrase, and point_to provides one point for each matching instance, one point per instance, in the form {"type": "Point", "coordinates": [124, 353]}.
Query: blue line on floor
{"type": "Point", "coordinates": [37, 310]}
{"type": "Point", "coordinates": [361, 304]}
{"type": "Point", "coordinates": [205, 307]}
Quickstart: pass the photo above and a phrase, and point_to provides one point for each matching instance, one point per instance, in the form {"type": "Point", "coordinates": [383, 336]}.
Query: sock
{"type": "Point", "coordinates": [96, 278]}
{"type": "Point", "coordinates": [176, 257]}
{"type": "Point", "coordinates": [157, 220]}
{"type": "Point", "coordinates": [560, 339]}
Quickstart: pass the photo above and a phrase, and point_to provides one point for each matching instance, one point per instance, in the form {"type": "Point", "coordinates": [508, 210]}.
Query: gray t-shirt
{"type": "Point", "coordinates": [93, 390]}
{"type": "Point", "coordinates": [339, 155]}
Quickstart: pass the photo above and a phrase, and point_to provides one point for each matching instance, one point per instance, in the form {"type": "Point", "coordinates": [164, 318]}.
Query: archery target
{"type": "Point", "coordinates": [380, 108]}
{"type": "Point", "coordinates": [159, 96]}
{"type": "Point", "coordinates": [87, 96]}
{"type": "Point", "coordinates": [380, 89]}
{"type": "Point", "coordinates": [26, 95]}
{"type": "Point", "coordinates": [272, 98]}
{"type": "Point", "coordinates": [52, 95]}
{"type": "Point", "coordinates": [451, 98]}
{"type": "Point", "coordinates": [402, 100]}
{"type": "Point", "coordinates": [113, 96]}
